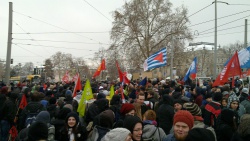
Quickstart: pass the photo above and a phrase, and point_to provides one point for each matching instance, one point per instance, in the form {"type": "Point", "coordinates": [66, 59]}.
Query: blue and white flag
{"type": "Point", "coordinates": [244, 58]}
{"type": "Point", "coordinates": [192, 70]}
{"type": "Point", "coordinates": [156, 60]}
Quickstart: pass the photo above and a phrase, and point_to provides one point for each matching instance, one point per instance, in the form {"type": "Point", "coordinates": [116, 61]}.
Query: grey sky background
{"type": "Point", "coordinates": [41, 16]}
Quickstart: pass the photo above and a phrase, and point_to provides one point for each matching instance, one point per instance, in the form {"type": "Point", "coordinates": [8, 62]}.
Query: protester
{"type": "Point", "coordinates": [165, 113]}
{"type": "Point", "coordinates": [150, 129]}
{"type": "Point", "coordinates": [118, 134]}
{"type": "Point", "coordinates": [183, 122]}
{"type": "Point", "coordinates": [73, 130]}
{"type": "Point", "coordinates": [38, 132]}
{"type": "Point", "coordinates": [135, 126]}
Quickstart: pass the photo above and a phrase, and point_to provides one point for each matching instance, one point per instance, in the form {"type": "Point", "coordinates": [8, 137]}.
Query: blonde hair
{"type": "Point", "coordinates": [138, 110]}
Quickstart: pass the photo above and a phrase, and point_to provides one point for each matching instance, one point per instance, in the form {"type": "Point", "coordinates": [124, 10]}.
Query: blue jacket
{"type": "Point", "coordinates": [170, 137]}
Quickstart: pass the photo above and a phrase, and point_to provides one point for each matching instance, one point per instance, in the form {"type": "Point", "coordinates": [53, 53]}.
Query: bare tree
{"type": "Point", "coordinates": [27, 68]}
{"type": "Point", "coordinates": [62, 62]}
{"type": "Point", "coordinates": [48, 69]}
{"type": "Point", "coordinates": [142, 27]}
{"type": "Point", "coordinates": [231, 48]}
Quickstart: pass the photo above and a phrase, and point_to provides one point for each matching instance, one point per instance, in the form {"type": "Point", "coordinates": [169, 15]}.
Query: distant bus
{"type": "Point", "coordinates": [28, 78]}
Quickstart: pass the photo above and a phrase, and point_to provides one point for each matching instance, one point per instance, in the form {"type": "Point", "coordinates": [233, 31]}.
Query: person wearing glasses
{"type": "Point", "coordinates": [134, 125]}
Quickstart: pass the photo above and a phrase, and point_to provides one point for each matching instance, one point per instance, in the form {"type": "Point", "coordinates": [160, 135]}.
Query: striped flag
{"type": "Point", "coordinates": [156, 60]}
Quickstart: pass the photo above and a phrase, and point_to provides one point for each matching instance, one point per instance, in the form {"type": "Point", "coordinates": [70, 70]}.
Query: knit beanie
{"type": "Point", "coordinates": [184, 116]}
{"type": "Point", "coordinates": [43, 116]}
{"type": "Point", "coordinates": [245, 90]}
{"type": "Point", "coordinates": [231, 99]}
{"type": "Point", "coordinates": [127, 107]}
{"type": "Point", "coordinates": [130, 122]}
{"type": "Point", "coordinates": [200, 134]}
{"type": "Point", "coordinates": [38, 131]}
{"type": "Point", "coordinates": [72, 114]}
{"type": "Point", "coordinates": [217, 96]}
{"type": "Point", "coordinates": [117, 134]}
{"type": "Point", "coordinates": [193, 108]}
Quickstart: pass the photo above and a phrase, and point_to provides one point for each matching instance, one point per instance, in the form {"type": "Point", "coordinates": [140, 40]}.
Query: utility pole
{"type": "Point", "coordinates": [8, 57]}
{"type": "Point", "coordinates": [215, 41]}
{"type": "Point", "coordinates": [245, 37]}
{"type": "Point", "coordinates": [172, 58]}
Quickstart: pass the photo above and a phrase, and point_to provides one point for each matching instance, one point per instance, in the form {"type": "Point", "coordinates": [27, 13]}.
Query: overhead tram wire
{"type": "Point", "coordinates": [29, 50]}
{"type": "Point", "coordinates": [63, 32]}
{"type": "Point", "coordinates": [225, 24]}
{"type": "Point", "coordinates": [219, 18]}
{"type": "Point", "coordinates": [59, 41]}
{"type": "Point", "coordinates": [199, 10]}
{"type": "Point", "coordinates": [27, 34]}
{"type": "Point", "coordinates": [53, 46]}
{"type": "Point", "coordinates": [55, 26]}
{"type": "Point", "coordinates": [223, 29]}
{"type": "Point", "coordinates": [221, 34]}
{"type": "Point", "coordinates": [97, 10]}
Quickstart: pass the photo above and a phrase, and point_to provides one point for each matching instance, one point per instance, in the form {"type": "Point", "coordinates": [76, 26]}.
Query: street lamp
{"type": "Point", "coordinates": [215, 36]}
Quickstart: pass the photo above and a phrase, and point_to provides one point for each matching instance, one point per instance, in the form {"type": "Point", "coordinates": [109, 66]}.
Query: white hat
{"type": "Point", "coordinates": [101, 87]}
{"type": "Point", "coordinates": [245, 90]}
{"type": "Point", "coordinates": [117, 134]}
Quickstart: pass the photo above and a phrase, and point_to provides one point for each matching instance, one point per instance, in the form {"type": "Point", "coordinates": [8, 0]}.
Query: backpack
{"type": "Point", "coordinates": [30, 117]}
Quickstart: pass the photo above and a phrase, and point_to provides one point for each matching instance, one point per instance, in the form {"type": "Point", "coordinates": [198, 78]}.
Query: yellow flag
{"type": "Point", "coordinates": [111, 92]}
{"type": "Point", "coordinates": [86, 95]}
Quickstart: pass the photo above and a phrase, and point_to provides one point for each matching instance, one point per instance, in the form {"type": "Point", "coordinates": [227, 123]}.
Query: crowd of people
{"type": "Point", "coordinates": [161, 110]}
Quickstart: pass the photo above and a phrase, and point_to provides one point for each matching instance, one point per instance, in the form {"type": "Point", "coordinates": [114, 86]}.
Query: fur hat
{"type": "Point", "coordinates": [193, 108]}
{"type": "Point", "coordinates": [127, 107]}
{"type": "Point", "coordinates": [38, 131]}
{"type": "Point", "coordinates": [117, 134]}
{"type": "Point", "coordinates": [184, 116]}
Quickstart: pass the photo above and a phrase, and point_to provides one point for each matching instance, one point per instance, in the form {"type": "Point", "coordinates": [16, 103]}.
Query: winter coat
{"type": "Point", "coordinates": [246, 104]}
{"type": "Point", "coordinates": [170, 137]}
{"type": "Point", "coordinates": [150, 131]}
{"type": "Point", "coordinates": [97, 133]}
{"type": "Point", "coordinates": [211, 113]}
{"type": "Point", "coordinates": [165, 114]}
{"type": "Point", "coordinates": [9, 110]}
{"type": "Point", "coordinates": [59, 124]}
{"type": "Point", "coordinates": [95, 109]}
{"type": "Point", "coordinates": [80, 134]}
{"type": "Point", "coordinates": [32, 107]}
{"type": "Point", "coordinates": [200, 124]}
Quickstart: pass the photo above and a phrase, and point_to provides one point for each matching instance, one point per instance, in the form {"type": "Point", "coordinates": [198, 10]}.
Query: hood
{"type": "Point", "coordinates": [43, 116]}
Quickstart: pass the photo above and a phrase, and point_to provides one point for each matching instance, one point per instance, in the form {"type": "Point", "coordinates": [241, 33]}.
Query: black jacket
{"type": "Point", "coordinates": [165, 114]}
{"type": "Point", "coordinates": [80, 134]}
{"type": "Point", "coordinates": [32, 107]}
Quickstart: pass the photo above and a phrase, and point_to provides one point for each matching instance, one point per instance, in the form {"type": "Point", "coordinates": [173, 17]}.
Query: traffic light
{"type": "Point", "coordinates": [11, 61]}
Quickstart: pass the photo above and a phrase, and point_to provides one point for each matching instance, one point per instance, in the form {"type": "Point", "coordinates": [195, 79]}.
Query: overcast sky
{"type": "Point", "coordinates": [93, 20]}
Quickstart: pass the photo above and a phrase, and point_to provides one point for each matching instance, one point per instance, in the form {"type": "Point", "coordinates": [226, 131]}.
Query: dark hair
{"type": "Point", "coordinates": [36, 97]}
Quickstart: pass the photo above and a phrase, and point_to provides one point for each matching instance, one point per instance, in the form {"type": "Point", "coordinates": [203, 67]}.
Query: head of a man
{"type": "Point", "coordinates": [183, 122]}
{"type": "Point", "coordinates": [140, 98]}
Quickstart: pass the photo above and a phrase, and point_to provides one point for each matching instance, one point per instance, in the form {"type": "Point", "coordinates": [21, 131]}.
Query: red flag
{"type": "Point", "coordinates": [74, 78]}
{"type": "Point", "coordinates": [23, 102]}
{"type": "Point", "coordinates": [122, 75]}
{"type": "Point", "coordinates": [100, 68]}
{"type": "Point", "coordinates": [13, 133]}
{"type": "Point", "coordinates": [230, 70]}
{"type": "Point", "coordinates": [65, 78]}
{"type": "Point", "coordinates": [78, 86]}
